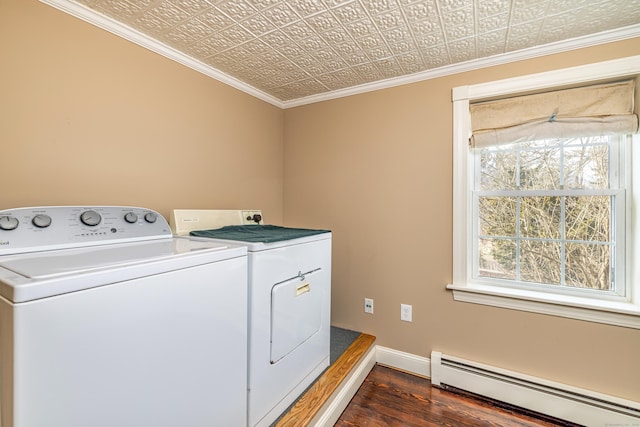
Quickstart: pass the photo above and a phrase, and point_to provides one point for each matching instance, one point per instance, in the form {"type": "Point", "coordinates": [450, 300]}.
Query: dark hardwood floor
{"type": "Point", "coordinates": [389, 397]}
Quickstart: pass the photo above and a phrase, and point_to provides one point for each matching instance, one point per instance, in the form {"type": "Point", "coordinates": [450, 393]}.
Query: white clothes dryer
{"type": "Point", "coordinates": [289, 303]}
{"type": "Point", "coordinates": [107, 319]}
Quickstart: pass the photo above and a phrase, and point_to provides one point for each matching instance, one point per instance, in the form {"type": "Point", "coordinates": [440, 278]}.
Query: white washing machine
{"type": "Point", "coordinates": [289, 303]}
{"type": "Point", "coordinates": [107, 319]}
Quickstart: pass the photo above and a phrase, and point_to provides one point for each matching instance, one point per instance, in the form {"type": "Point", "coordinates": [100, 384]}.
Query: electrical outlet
{"type": "Point", "coordinates": [368, 305]}
{"type": "Point", "coordinates": [405, 312]}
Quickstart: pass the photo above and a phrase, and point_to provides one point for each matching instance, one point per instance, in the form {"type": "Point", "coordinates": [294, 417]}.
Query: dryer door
{"type": "Point", "coordinates": [296, 312]}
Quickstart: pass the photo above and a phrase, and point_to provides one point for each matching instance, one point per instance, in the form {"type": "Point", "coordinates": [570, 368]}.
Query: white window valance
{"type": "Point", "coordinates": [603, 109]}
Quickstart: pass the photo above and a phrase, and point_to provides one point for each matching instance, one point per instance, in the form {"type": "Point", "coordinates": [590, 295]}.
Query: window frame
{"type": "Point", "coordinates": [616, 312]}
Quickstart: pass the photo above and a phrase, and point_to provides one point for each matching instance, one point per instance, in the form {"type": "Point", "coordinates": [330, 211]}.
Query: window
{"type": "Point", "coordinates": [546, 223]}
{"type": "Point", "coordinates": [550, 214]}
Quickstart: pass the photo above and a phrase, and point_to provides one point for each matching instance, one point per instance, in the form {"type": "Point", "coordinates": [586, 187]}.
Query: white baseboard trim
{"type": "Point", "coordinates": [407, 362]}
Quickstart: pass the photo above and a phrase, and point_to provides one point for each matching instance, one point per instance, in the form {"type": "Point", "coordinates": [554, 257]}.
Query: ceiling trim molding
{"type": "Point", "coordinates": [134, 36]}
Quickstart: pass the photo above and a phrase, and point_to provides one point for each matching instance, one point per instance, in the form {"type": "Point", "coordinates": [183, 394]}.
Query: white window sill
{"type": "Point", "coordinates": [608, 312]}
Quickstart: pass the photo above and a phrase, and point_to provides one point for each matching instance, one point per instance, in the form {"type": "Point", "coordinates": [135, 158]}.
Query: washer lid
{"type": "Point", "coordinates": [27, 277]}
{"type": "Point", "coordinates": [73, 261]}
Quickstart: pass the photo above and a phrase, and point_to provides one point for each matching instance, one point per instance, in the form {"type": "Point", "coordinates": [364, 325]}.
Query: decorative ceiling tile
{"type": "Point", "coordinates": [121, 9]}
{"type": "Point", "coordinates": [486, 8]}
{"type": "Point", "coordinates": [459, 24]}
{"type": "Point", "coordinates": [559, 24]}
{"type": "Point", "coordinates": [388, 20]}
{"type": "Point", "coordinates": [306, 8]}
{"type": "Point", "coordinates": [276, 39]}
{"type": "Point", "coordinates": [430, 40]}
{"type": "Point", "coordinates": [450, 5]}
{"type": "Point", "coordinates": [313, 43]}
{"type": "Point", "coordinates": [427, 26]}
{"type": "Point", "coordinates": [378, 53]}
{"type": "Point", "coordinates": [193, 7]}
{"type": "Point", "coordinates": [236, 34]}
{"type": "Point", "coordinates": [169, 13]}
{"type": "Point", "coordinates": [560, 6]}
{"type": "Point", "coordinates": [290, 70]}
{"type": "Point", "coordinates": [375, 7]}
{"type": "Point", "coordinates": [436, 56]}
{"type": "Point", "coordinates": [151, 24]}
{"type": "Point", "coordinates": [420, 11]}
{"type": "Point", "coordinates": [316, 69]}
{"type": "Point", "coordinates": [347, 77]}
{"type": "Point", "coordinates": [521, 43]}
{"type": "Point", "coordinates": [334, 3]}
{"type": "Point", "coordinates": [333, 65]}
{"type": "Point", "coordinates": [397, 35]}
{"type": "Point", "coordinates": [187, 33]}
{"type": "Point", "coordinates": [297, 48]}
{"type": "Point", "coordinates": [490, 40]}
{"type": "Point", "coordinates": [333, 81]}
{"type": "Point", "coordinates": [389, 68]}
{"type": "Point", "coordinates": [263, 4]}
{"type": "Point", "coordinates": [216, 19]}
{"type": "Point", "coordinates": [360, 28]}
{"type": "Point", "coordinates": [463, 50]}
{"type": "Point", "coordinates": [486, 49]}
{"type": "Point", "coordinates": [350, 12]}
{"type": "Point", "coordinates": [493, 23]}
{"type": "Point", "coordinates": [293, 51]}
{"type": "Point", "coordinates": [337, 36]}
{"type": "Point", "coordinates": [329, 59]}
{"type": "Point", "coordinates": [352, 54]}
{"type": "Point", "coordinates": [236, 9]}
{"type": "Point", "coordinates": [411, 62]}
{"type": "Point", "coordinates": [367, 71]}
{"type": "Point", "coordinates": [298, 31]}
{"type": "Point", "coordinates": [322, 22]}
{"type": "Point", "coordinates": [257, 25]}
{"type": "Point", "coordinates": [399, 40]}
{"type": "Point", "coordinates": [260, 48]}
{"type": "Point", "coordinates": [281, 14]}
{"type": "Point", "coordinates": [208, 47]}
{"type": "Point", "coordinates": [528, 29]}
{"type": "Point", "coordinates": [528, 12]}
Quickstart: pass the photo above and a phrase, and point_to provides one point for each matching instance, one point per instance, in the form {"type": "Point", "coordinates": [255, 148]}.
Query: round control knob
{"type": "Point", "coordinates": [90, 218]}
{"type": "Point", "coordinates": [8, 222]}
{"type": "Point", "coordinates": [131, 217]}
{"type": "Point", "coordinates": [150, 217]}
{"type": "Point", "coordinates": [41, 221]}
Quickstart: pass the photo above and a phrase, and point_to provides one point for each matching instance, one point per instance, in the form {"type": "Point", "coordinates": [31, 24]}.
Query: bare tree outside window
{"type": "Point", "coordinates": [544, 215]}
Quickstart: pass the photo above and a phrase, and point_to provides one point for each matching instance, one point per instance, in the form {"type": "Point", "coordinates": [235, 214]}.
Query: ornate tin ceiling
{"type": "Point", "coordinates": [292, 49]}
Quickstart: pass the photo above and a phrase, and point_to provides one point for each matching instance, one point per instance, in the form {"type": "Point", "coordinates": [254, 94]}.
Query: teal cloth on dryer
{"type": "Point", "coordinates": [257, 233]}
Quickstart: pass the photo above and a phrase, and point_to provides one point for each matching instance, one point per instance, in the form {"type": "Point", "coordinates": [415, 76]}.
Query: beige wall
{"type": "Point", "coordinates": [376, 168]}
{"type": "Point", "coordinates": [88, 118]}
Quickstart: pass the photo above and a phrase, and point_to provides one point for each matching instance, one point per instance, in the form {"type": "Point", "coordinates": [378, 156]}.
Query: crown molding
{"type": "Point", "coordinates": [134, 36]}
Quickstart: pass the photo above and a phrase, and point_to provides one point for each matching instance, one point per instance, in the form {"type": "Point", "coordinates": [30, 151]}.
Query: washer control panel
{"type": "Point", "coordinates": [60, 227]}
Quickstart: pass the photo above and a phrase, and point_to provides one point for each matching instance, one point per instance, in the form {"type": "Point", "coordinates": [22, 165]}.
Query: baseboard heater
{"type": "Point", "coordinates": [535, 394]}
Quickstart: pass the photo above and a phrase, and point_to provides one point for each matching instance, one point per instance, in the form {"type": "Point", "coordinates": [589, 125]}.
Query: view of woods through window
{"type": "Point", "coordinates": [546, 212]}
